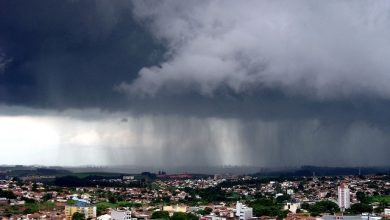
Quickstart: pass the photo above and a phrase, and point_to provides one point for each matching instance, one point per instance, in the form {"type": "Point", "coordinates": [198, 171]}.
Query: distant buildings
{"type": "Point", "coordinates": [344, 200]}
{"type": "Point", "coordinates": [128, 177]}
{"type": "Point", "coordinates": [243, 212]}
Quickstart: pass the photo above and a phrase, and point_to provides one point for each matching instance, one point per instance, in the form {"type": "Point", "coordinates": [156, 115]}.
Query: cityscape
{"type": "Point", "coordinates": [44, 193]}
{"type": "Point", "coordinates": [194, 110]}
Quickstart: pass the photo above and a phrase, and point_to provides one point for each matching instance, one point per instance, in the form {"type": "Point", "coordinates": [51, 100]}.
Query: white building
{"type": "Point", "coordinates": [344, 200]}
{"type": "Point", "coordinates": [387, 211]}
{"type": "Point", "coordinates": [292, 207]}
{"type": "Point", "coordinates": [121, 214]}
{"type": "Point", "coordinates": [128, 177]}
{"type": "Point", "coordinates": [243, 212]}
{"type": "Point", "coordinates": [104, 217]}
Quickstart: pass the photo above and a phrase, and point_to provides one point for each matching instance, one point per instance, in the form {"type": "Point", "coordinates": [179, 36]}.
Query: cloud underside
{"type": "Point", "coordinates": [317, 49]}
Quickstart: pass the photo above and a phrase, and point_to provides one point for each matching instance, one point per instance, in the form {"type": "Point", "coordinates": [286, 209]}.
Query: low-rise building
{"type": "Point", "coordinates": [121, 214]}
{"type": "Point", "coordinates": [81, 207]}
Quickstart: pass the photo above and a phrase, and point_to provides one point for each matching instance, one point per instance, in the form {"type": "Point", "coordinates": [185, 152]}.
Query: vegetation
{"type": "Point", "coordinates": [7, 194]}
{"type": "Point", "coordinates": [78, 216]}
{"type": "Point", "coordinates": [19, 172]}
{"type": "Point", "coordinates": [28, 208]}
{"type": "Point", "coordinates": [359, 208]}
{"type": "Point", "coordinates": [71, 202]}
{"type": "Point", "coordinates": [91, 181]}
{"type": "Point", "coordinates": [362, 197]}
{"type": "Point", "coordinates": [184, 216]}
{"type": "Point", "coordinates": [267, 207]}
{"type": "Point", "coordinates": [321, 207]}
{"type": "Point", "coordinates": [382, 198]}
{"type": "Point", "coordinates": [160, 215]}
{"type": "Point", "coordinates": [210, 194]}
{"type": "Point", "coordinates": [47, 197]}
{"type": "Point", "coordinates": [283, 198]}
{"type": "Point", "coordinates": [205, 211]}
{"type": "Point", "coordinates": [97, 175]}
{"type": "Point", "coordinates": [365, 203]}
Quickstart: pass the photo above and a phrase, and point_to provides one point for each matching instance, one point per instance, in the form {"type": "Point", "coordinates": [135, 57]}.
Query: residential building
{"type": "Point", "coordinates": [344, 200]}
{"type": "Point", "coordinates": [104, 217]}
{"type": "Point", "coordinates": [81, 207]}
{"type": "Point", "coordinates": [121, 214]}
{"type": "Point", "coordinates": [292, 207]}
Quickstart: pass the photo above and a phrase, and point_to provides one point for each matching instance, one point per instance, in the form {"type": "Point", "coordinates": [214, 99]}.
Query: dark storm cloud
{"type": "Point", "coordinates": [4, 61]}
{"type": "Point", "coordinates": [70, 53]}
{"type": "Point", "coordinates": [211, 83]}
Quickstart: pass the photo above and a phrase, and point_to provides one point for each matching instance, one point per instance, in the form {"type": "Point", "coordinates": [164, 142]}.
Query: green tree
{"type": "Point", "coordinates": [322, 207]}
{"type": "Point", "coordinates": [78, 216]}
{"type": "Point", "coordinates": [358, 208]}
{"type": "Point", "coordinates": [160, 215]}
{"type": "Point", "coordinates": [205, 211]}
{"type": "Point", "coordinates": [112, 199]}
{"type": "Point", "coordinates": [7, 194]}
{"type": "Point", "coordinates": [305, 206]}
{"type": "Point", "coordinates": [191, 216]}
{"type": "Point", "coordinates": [71, 202]}
{"type": "Point", "coordinates": [282, 214]}
{"type": "Point", "coordinates": [265, 207]}
{"type": "Point", "coordinates": [47, 196]}
{"type": "Point", "coordinates": [31, 208]}
{"type": "Point", "coordinates": [361, 196]}
{"type": "Point", "coordinates": [283, 198]}
{"type": "Point", "coordinates": [183, 216]}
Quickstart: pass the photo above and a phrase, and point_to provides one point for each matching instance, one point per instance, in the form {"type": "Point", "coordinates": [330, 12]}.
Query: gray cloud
{"type": "Point", "coordinates": [331, 49]}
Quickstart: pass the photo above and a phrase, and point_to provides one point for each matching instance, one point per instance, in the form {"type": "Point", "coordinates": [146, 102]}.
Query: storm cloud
{"type": "Point", "coordinates": [174, 84]}
{"type": "Point", "coordinates": [332, 49]}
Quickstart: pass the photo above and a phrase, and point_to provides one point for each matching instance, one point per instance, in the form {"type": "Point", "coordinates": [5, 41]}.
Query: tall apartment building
{"type": "Point", "coordinates": [344, 200]}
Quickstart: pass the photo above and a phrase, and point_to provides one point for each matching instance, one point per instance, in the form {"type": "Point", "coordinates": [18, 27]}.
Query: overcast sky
{"type": "Point", "coordinates": [195, 83]}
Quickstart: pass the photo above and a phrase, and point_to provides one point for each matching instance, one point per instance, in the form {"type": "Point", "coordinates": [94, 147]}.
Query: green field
{"type": "Point", "coordinates": [385, 198]}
